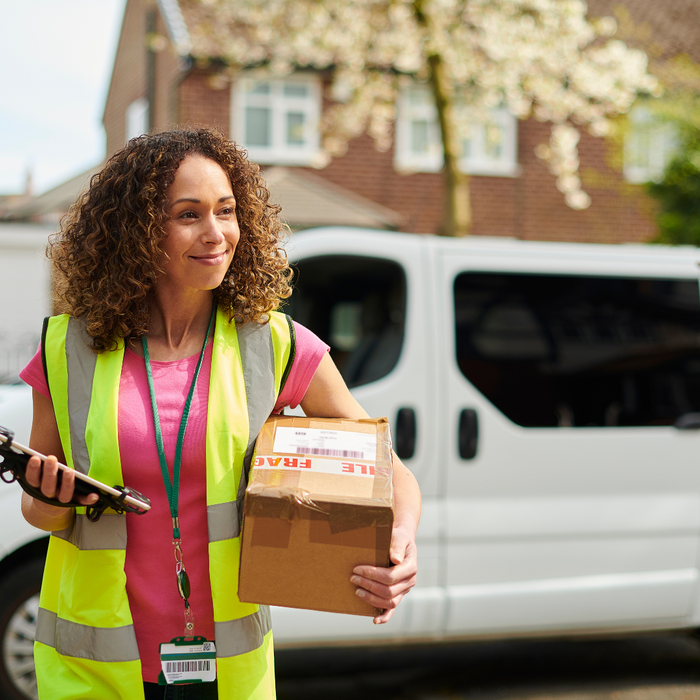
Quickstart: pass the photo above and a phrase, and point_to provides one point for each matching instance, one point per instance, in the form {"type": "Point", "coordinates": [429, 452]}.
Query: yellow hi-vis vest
{"type": "Point", "coordinates": [85, 642]}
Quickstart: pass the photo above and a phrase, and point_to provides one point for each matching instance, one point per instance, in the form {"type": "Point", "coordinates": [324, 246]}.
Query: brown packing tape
{"type": "Point", "coordinates": [281, 503]}
{"type": "Point", "coordinates": [270, 532]}
{"type": "Point", "coordinates": [375, 537]}
{"type": "Point", "coordinates": [343, 517]}
{"type": "Point", "coordinates": [294, 505]}
{"type": "Point", "coordinates": [382, 487]}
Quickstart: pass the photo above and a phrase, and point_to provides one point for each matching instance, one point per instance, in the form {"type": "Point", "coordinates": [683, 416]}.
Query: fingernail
{"type": "Point", "coordinates": [356, 579]}
{"type": "Point", "coordinates": [360, 593]}
{"type": "Point", "coordinates": [360, 572]}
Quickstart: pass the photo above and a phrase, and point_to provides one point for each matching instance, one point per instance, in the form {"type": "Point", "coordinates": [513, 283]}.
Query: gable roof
{"type": "Point", "coordinates": [308, 200]}
{"type": "Point", "coordinates": [53, 204]}
{"type": "Point", "coordinates": [177, 27]}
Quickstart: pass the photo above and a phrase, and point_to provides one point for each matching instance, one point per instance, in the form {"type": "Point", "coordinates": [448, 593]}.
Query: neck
{"type": "Point", "coordinates": [178, 326]}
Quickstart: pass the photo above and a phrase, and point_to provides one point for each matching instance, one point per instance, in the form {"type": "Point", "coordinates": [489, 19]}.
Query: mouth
{"type": "Point", "coordinates": [210, 258]}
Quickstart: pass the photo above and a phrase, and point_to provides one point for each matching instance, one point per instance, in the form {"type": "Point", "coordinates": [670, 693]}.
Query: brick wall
{"type": "Point", "coordinates": [619, 212]}
{"type": "Point", "coordinates": [203, 101]}
{"type": "Point", "coordinates": [528, 206]}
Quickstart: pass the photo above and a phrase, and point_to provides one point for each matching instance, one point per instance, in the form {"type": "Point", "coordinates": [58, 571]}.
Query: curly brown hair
{"type": "Point", "coordinates": [109, 244]}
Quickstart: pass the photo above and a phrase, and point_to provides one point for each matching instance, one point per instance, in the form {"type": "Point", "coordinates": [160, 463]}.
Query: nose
{"type": "Point", "coordinates": [212, 230]}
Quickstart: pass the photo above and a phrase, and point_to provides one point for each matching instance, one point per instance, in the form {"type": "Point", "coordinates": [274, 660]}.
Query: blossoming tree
{"type": "Point", "coordinates": [540, 58]}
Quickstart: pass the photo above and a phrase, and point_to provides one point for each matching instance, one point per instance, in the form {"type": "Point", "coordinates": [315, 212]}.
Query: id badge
{"type": "Point", "coordinates": [187, 661]}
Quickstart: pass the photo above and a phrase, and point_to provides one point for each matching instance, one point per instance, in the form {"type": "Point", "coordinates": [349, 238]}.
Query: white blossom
{"type": "Point", "coordinates": [540, 58]}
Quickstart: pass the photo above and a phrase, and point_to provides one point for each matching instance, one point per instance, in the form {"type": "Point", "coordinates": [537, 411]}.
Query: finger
{"type": "Point", "coordinates": [33, 472]}
{"type": "Point", "coordinates": [67, 486]}
{"type": "Point", "coordinates": [400, 544]}
{"type": "Point", "coordinates": [376, 601]}
{"type": "Point", "coordinates": [49, 476]}
{"type": "Point", "coordinates": [381, 595]}
{"type": "Point", "coordinates": [384, 617]}
{"type": "Point", "coordinates": [387, 575]}
{"type": "Point", "coordinates": [88, 500]}
{"type": "Point", "coordinates": [67, 493]}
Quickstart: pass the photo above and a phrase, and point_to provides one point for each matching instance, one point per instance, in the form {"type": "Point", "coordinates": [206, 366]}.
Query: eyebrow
{"type": "Point", "coordinates": [199, 201]}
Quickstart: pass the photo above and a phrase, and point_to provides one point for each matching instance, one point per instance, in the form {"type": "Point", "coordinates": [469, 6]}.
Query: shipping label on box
{"type": "Point", "coordinates": [319, 502]}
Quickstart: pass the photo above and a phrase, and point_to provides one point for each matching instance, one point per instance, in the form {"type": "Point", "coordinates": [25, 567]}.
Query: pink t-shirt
{"type": "Point", "coordinates": [156, 607]}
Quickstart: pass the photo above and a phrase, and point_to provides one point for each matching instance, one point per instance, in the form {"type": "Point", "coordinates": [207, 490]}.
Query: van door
{"type": "Point", "coordinates": [369, 298]}
{"type": "Point", "coordinates": [572, 502]}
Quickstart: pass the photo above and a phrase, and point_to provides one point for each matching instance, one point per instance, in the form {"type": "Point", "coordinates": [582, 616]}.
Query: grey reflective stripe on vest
{"type": "Point", "coordinates": [258, 358]}
{"type": "Point", "coordinates": [81, 361]}
{"type": "Point", "coordinates": [109, 532]}
{"type": "Point", "coordinates": [258, 364]}
{"type": "Point", "coordinates": [224, 520]}
{"type": "Point", "coordinates": [85, 642]}
{"type": "Point", "coordinates": [236, 637]}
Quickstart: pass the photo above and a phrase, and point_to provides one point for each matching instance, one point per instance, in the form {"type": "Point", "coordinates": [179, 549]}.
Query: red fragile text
{"type": "Point", "coordinates": [287, 462]}
{"type": "Point", "coordinates": [356, 468]}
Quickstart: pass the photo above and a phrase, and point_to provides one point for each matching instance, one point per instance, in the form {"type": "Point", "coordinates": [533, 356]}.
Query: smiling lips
{"type": "Point", "coordinates": [210, 259]}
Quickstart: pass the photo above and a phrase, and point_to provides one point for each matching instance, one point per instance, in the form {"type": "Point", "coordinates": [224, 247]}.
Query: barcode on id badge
{"type": "Point", "coordinates": [187, 666]}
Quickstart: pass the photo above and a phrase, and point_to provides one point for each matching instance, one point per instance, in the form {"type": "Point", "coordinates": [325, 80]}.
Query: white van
{"type": "Point", "coordinates": [547, 398]}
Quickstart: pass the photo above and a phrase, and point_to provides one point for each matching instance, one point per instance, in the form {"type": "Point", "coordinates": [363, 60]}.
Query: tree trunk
{"type": "Point", "coordinates": [457, 218]}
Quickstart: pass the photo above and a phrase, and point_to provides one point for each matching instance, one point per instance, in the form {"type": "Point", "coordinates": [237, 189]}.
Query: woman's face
{"type": "Point", "coordinates": [202, 230]}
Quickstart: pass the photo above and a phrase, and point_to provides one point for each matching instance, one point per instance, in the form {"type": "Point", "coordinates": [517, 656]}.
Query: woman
{"type": "Point", "coordinates": [169, 273]}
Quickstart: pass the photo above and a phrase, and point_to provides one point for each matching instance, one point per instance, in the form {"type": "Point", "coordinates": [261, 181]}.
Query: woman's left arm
{"type": "Point", "coordinates": [329, 397]}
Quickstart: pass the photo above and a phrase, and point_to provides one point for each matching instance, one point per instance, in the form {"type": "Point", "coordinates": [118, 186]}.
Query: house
{"type": "Point", "coordinates": [156, 84]}
{"type": "Point", "coordinates": [50, 206]}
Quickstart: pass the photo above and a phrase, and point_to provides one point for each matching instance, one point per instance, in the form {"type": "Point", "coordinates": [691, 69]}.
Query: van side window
{"type": "Point", "coordinates": [357, 305]}
{"type": "Point", "coordinates": [563, 351]}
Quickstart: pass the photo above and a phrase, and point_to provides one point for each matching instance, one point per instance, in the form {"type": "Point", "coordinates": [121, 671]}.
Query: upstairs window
{"type": "Point", "coordinates": [276, 120]}
{"type": "Point", "coordinates": [491, 148]}
{"type": "Point", "coordinates": [650, 145]}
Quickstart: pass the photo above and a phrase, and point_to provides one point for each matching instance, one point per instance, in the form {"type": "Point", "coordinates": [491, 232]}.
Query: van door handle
{"type": "Point", "coordinates": [405, 433]}
{"type": "Point", "coordinates": [468, 433]}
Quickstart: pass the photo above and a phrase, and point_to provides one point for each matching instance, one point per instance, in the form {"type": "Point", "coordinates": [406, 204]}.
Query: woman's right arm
{"type": "Point", "coordinates": [45, 439]}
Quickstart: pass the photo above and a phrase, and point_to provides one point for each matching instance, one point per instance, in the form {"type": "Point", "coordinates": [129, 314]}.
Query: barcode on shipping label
{"type": "Point", "coordinates": [326, 443]}
{"type": "Point", "coordinates": [319, 465]}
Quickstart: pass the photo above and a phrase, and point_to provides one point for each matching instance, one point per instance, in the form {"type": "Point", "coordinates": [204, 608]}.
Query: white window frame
{"type": "Point", "coordinates": [650, 140]}
{"type": "Point", "coordinates": [478, 162]}
{"type": "Point", "coordinates": [279, 152]}
{"type": "Point", "coordinates": [136, 119]}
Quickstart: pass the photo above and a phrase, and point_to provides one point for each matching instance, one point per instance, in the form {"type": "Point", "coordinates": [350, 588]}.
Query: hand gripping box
{"type": "Point", "coordinates": [319, 502]}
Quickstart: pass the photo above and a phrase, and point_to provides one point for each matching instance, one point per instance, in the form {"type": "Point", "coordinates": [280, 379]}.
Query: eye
{"type": "Point", "coordinates": [187, 215]}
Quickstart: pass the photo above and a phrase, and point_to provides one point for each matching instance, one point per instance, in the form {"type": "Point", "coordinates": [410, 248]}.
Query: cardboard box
{"type": "Point", "coordinates": [319, 502]}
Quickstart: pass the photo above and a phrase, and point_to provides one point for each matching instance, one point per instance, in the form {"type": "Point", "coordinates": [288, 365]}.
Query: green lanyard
{"type": "Point", "coordinates": [172, 489]}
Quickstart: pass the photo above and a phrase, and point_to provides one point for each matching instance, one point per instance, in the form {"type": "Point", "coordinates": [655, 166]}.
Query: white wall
{"type": "Point", "coordinates": [25, 297]}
